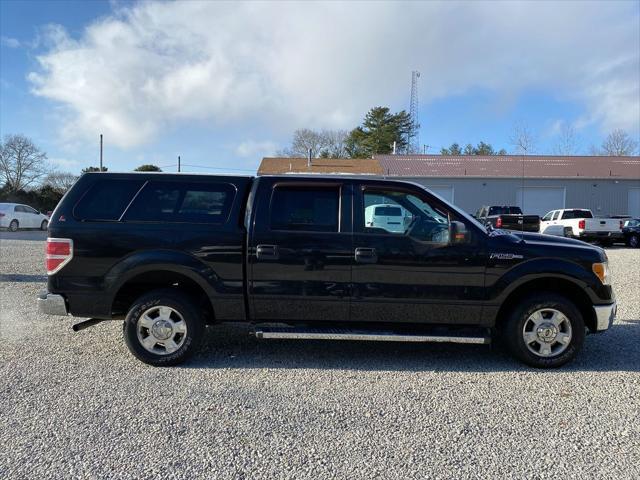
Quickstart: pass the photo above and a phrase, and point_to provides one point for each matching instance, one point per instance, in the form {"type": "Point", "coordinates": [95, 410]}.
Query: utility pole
{"type": "Point", "coordinates": [101, 152]}
{"type": "Point", "coordinates": [178, 163]}
{"type": "Point", "coordinates": [413, 142]}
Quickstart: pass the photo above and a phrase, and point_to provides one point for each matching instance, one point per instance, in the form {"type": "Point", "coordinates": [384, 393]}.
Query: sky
{"type": "Point", "coordinates": [224, 84]}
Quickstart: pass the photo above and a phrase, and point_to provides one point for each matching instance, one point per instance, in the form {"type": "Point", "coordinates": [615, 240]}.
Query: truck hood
{"type": "Point", "coordinates": [534, 245]}
{"type": "Point", "coordinates": [529, 237]}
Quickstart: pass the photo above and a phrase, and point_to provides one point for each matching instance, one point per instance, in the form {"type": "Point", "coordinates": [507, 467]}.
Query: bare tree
{"type": "Point", "coordinates": [326, 143]}
{"type": "Point", "coordinates": [523, 139]}
{"type": "Point", "coordinates": [22, 163]}
{"type": "Point", "coordinates": [60, 181]}
{"type": "Point", "coordinates": [334, 144]}
{"type": "Point", "coordinates": [567, 143]}
{"type": "Point", "coordinates": [617, 143]}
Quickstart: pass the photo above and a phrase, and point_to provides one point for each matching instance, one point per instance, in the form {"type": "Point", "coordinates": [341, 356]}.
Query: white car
{"type": "Point", "coordinates": [15, 215]}
{"type": "Point", "coordinates": [580, 223]}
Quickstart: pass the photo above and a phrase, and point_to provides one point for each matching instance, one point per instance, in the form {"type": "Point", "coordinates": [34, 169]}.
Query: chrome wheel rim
{"type": "Point", "coordinates": [13, 226]}
{"type": "Point", "coordinates": [547, 332]}
{"type": "Point", "coordinates": [161, 330]}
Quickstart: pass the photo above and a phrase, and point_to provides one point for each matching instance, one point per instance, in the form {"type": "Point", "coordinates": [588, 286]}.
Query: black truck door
{"type": "Point", "coordinates": [416, 273]}
{"type": "Point", "coordinates": [300, 250]}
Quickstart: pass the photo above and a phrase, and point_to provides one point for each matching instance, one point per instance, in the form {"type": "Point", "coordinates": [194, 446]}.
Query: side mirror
{"type": "Point", "coordinates": [457, 233]}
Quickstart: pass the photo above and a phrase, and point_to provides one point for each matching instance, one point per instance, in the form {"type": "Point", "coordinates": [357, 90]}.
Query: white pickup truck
{"type": "Point", "coordinates": [581, 224]}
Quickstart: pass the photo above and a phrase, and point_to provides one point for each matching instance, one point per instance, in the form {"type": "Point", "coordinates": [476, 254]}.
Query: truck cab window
{"type": "Point", "coordinates": [401, 213]}
{"type": "Point", "coordinates": [305, 209]}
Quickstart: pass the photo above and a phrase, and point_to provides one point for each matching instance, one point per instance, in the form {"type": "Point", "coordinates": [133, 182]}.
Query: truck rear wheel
{"type": "Point", "coordinates": [163, 327]}
{"type": "Point", "coordinates": [545, 330]}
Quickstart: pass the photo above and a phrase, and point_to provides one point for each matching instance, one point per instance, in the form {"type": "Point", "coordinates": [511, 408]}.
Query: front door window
{"type": "Point", "coordinates": [401, 213]}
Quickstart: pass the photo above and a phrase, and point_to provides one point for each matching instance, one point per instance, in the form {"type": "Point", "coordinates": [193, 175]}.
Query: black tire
{"type": "Point", "coordinates": [14, 225]}
{"type": "Point", "coordinates": [44, 225]}
{"type": "Point", "coordinates": [181, 303]}
{"type": "Point", "coordinates": [634, 241]}
{"type": "Point", "coordinates": [515, 325]}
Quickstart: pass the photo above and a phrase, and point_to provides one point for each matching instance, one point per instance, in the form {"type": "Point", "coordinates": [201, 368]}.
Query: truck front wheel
{"type": "Point", "coordinates": [163, 327]}
{"type": "Point", "coordinates": [545, 330]}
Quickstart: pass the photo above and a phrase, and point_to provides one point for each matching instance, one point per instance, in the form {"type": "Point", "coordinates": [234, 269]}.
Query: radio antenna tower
{"type": "Point", "coordinates": [413, 142]}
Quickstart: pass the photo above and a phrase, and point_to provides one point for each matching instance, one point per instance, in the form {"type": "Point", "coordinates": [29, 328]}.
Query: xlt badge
{"type": "Point", "coordinates": [505, 256]}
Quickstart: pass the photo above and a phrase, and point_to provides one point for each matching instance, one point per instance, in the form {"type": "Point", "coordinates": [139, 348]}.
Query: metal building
{"type": "Point", "coordinates": [538, 184]}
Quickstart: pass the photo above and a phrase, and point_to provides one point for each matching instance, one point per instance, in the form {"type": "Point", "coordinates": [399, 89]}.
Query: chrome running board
{"type": "Point", "coordinates": [363, 335]}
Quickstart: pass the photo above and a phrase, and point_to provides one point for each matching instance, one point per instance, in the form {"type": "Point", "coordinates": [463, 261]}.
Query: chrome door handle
{"type": "Point", "coordinates": [267, 252]}
{"type": "Point", "coordinates": [366, 255]}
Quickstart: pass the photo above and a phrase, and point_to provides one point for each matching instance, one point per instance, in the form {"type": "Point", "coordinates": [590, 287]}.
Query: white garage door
{"type": "Point", "coordinates": [540, 200]}
{"type": "Point", "coordinates": [634, 202]}
{"type": "Point", "coordinates": [445, 191]}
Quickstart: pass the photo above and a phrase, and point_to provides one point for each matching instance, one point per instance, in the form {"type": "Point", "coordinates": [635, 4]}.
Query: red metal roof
{"type": "Point", "coordinates": [535, 166]}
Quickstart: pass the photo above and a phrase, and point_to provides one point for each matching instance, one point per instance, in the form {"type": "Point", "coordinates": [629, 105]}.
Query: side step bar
{"type": "Point", "coordinates": [375, 336]}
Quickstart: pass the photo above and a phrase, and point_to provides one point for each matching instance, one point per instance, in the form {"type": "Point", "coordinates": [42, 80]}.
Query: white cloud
{"type": "Point", "coordinates": [65, 163]}
{"type": "Point", "coordinates": [9, 42]}
{"type": "Point", "coordinates": [253, 149]}
{"type": "Point", "coordinates": [155, 65]}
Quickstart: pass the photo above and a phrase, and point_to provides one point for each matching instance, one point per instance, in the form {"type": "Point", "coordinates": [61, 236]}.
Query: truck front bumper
{"type": "Point", "coordinates": [52, 304]}
{"type": "Point", "coordinates": [605, 315]}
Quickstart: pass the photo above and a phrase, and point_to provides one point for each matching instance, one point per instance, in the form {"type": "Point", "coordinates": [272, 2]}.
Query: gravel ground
{"type": "Point", "coordinates": [79, 405]}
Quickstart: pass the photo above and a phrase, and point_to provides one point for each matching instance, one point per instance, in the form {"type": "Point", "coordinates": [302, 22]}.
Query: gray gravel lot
{"type": "Point", "coordinates": [79, 405]}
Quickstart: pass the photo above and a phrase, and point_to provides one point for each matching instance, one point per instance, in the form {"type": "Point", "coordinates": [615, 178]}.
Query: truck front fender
{"type": "Point", "coordinates": [501, 285]}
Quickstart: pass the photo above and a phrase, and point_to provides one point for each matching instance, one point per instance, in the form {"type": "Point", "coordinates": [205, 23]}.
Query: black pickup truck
{"type": "Point", "coordinates": [508, 218]}
{"type": "Point", "coordinates": [172, 253]}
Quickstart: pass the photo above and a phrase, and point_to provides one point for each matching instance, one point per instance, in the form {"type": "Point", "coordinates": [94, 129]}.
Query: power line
{"type": "Point", "coordinates": [221, 168]}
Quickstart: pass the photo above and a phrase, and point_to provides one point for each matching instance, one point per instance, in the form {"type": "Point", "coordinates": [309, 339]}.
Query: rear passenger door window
{"type": "Point", "coordinates": [305, 209]}
{"type": "Point", "coordinates": [182, 202]}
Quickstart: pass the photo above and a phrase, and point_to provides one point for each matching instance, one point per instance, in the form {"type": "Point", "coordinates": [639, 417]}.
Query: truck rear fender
{"type": "Point", "coordinates": [161, 268]}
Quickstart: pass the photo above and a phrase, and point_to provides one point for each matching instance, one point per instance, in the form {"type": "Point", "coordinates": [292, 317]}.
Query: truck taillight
{"type": "Point", "coordinates": [499, 222]}
{"type": "Point", "coordinates": [582, 224]}
{"type": "Point", "coordinates": [59, 252]}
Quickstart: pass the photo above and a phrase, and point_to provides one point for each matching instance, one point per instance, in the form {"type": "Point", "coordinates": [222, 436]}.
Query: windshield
{"type": "Point", "coordinates": [460, 212]}
{"type": "Point", "coordinates": [388, 211]}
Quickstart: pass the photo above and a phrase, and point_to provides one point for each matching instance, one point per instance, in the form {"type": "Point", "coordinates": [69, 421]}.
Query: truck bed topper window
{"type": "Point", "coordinates": [182, 202]}
{"type": "Point", "coordinates": [106, 199]}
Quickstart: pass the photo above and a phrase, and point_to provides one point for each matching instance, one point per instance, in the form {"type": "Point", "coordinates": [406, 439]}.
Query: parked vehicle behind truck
{"type": "Point", "coordinates": [631, 232]}
{"type": "Point", "coordinates": [580, 223]}
{"type": "Point", "coordinates": [293, 256]}
{"type": "Point", "coordinates": [508, 218]}
{"type": "Point", "coordinates": [15, 216]}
